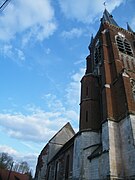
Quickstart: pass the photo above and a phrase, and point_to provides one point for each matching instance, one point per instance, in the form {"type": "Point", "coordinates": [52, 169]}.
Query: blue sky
{"type": "Point", "coordinates": [43, 46]}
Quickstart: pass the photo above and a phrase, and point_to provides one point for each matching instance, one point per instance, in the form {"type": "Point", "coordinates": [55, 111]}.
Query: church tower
{"type": "Point", "coordinates": [108, 100]}
{"type": "Point", "coordinates": [107, 88]}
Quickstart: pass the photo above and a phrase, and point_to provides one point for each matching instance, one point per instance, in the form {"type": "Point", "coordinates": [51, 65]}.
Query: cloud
{"type": "Point", "coordinates": [86, 11]}
{"type": "Point", "coordinates": [9, 150]}
{"type": "Point", "coordinates": [20, 54]}
{"type": "Point", "coordinates": [53, 103]}
{"type": "Point", "coordinates": [23, 22]}
{"type": "Point", "coordinates": [47, 51]}
{"type": "Point", "coordinates": [74, 32]}
{"type": "Point", "coordinates": [15, 54]}
{"type": "Point", "coordinates": [40, 125]}
{"type": "Point", "coordinates": [34, 18]}
{"type": "Point", "coordinates": [73, 90]}
{"type": "Point", "coordinates": [7, 50]}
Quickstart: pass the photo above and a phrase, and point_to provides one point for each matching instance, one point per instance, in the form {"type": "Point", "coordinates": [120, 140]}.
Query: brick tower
{"type": "Point", "coordinates": [108, 90]}
{"type": "Point", "coordinates": [108, 99]}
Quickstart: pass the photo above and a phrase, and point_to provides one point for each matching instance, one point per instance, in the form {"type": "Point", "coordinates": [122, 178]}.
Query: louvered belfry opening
{"type": "Point", "coordinates": [124, 46]}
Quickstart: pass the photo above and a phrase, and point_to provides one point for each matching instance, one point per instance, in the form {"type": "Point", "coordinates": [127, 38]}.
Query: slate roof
{"type": "Point", "coordinates": [107, 17]}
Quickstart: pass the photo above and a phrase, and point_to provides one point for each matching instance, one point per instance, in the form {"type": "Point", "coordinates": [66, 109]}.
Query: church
{"type": "Point", "coordinates": [104, 147]}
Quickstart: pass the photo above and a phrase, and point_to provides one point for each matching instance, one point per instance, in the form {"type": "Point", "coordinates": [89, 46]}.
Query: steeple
{"type": "Point", "coordinates": [107, 17]}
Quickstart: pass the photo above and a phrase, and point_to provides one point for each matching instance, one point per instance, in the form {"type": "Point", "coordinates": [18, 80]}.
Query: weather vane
{"type": "Point", "coordinates": [104, 4]}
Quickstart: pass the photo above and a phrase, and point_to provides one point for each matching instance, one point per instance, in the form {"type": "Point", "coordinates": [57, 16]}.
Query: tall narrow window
{"type": "Point", "coordinates": [86, 116]}
{"type": "Point", "coordinates": [87, 90]}
{"type": "Point", "coordinates": [67, 168]}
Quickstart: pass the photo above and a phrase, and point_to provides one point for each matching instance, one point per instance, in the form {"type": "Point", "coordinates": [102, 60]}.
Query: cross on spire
{"type": "Point", "coordinates": [104, 4]}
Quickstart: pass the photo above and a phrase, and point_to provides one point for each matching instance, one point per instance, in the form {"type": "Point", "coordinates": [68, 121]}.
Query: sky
{"type": "Point", "coordinates": [43, 47]}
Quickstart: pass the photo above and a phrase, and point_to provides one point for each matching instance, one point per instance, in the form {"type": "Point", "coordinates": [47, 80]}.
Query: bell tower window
{"type": "Point", "coordinates": [97, 52]}
{"type": "Point", "coordinates": [123, 45]}
{"type": "Point", "coordinates": [128, 48]}
{"type": "Point", "coordinates": [97, 57]}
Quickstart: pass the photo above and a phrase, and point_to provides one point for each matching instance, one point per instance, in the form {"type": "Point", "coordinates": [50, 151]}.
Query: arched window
{"type": "Point", "coordinates": [123, 45]}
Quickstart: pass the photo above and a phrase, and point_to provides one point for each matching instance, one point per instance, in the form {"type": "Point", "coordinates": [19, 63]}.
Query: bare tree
{"type": "Point", "coordinates": [23, 167]}
{"type": "Point", "coordinates": [6, 161]}
{"type": "Point", "coordinates": [16, 167]}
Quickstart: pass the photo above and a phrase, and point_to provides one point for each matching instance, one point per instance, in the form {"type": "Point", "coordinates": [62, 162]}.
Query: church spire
{"type": "Point", "coordinates": [107, 17]}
